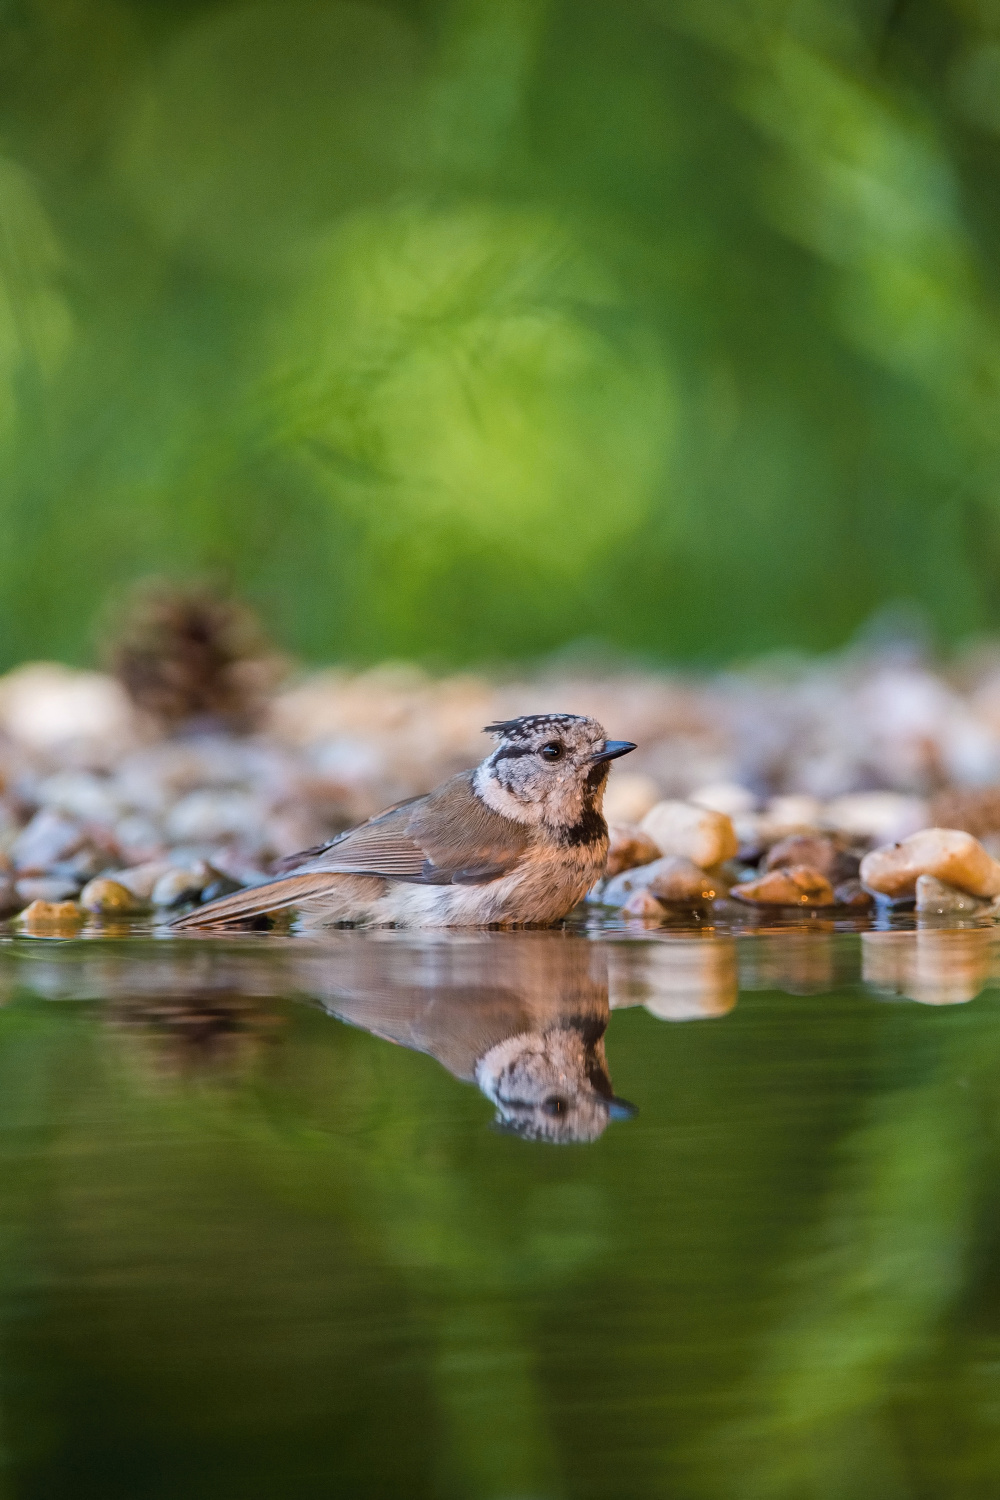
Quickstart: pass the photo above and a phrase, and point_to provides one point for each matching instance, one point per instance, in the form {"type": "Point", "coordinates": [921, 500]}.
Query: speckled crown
{"type": "Point", "coordinates": [530, 724]}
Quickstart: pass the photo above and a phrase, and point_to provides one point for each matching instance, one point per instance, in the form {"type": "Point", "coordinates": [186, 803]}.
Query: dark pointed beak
{"type": "Point", "coordinates": [612, 750]}
{"type": "Point", "coordinates": [621, 1109]}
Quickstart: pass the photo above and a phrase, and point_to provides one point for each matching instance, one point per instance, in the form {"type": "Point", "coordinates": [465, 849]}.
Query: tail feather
{"type": "Point", "coordinates": [257, 901]}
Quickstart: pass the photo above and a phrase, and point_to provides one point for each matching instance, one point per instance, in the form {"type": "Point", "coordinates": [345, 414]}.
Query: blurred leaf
{"type": "Point", "coordinates": [264, 120]}
{"type": "Point", "coordinates": [475, 367]}
{"type": "Point", "coordinates": [35, 322]}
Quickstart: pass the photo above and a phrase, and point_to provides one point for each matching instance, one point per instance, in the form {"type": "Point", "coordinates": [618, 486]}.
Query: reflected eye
{"type": "Point", "coordinates": [554, 1105]}
{"type": "Point", "coordinates": [552, 751]}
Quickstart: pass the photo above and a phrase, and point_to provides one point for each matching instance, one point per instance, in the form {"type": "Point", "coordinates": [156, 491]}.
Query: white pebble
{"type": "Point", "coordinates": [706, 838]}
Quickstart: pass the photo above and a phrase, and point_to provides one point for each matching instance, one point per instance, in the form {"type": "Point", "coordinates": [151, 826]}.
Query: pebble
{"type": "Point", "coordinates": [141, 879]}
{"type": "Point", "coordinates": [45, 888]}
{"type": "Point", "coordinates": [206, 815]}
{"type": "Point", "coordinates": [935, 898]}
{"type": "Point", "coordinates": [852, 893]}
{"type": "Point", "coordinates": [110, 898]}
{"type": "Point", "coordinates": [616, 891]}
{"type": "Point", "coordinates": [47, 838]}
{"type": "Point", "coordinates": [51, 914]}
{"type": "Point", "coordinates": [792, 813]}
{"type": "Point", "coordinates": [642, 904]}
{"type": "Point", "coordinates": [81, 795]}
{"type": "Point", "coordinates": [954, 857]}
{"type": "Point", "coordinates": [814, 850]}
{"type": "Point", "coordinates": [629, 847]}
{"type": "Point", "coordinates": [679, 881]}
{"type": "Point", "coordinates": [180, 885]}
{"type": "Point", "coordinates": [699, 834]}
{"type": "Point", "coordinates": [797, 886]}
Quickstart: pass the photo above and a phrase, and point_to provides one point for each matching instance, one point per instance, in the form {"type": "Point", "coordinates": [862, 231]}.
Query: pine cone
{"type": "Point", "coordinates": [189, 655]}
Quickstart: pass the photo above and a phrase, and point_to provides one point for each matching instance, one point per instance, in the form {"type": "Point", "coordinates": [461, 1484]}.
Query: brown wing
{"type": "Point", "coordinates": [305, 857]}
{"type": "Point", "coordinates": [464, 837]}
{"type": "Point", "coordinates": [446, 838]}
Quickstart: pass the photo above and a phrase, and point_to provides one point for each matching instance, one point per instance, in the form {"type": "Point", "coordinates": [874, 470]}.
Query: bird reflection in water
{"type": "Point", "coordinates": [524, 1020]}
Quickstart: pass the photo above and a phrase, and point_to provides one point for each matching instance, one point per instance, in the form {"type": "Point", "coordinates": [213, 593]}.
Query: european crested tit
{"type": "Point", "coordinates": [521, 838]}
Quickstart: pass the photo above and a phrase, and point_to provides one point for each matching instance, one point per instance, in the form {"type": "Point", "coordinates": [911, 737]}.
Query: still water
{"type": "Point", "coordinates": [501, 1216]}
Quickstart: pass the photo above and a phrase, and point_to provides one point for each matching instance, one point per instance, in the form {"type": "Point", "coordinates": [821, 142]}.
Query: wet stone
{"type": "Point", "coordinates": [617, 890]}
{"type": "Point", "coordinates": [51, 914]}
{"type": "Point", "coordinates": [642, 904]}
{"type": "Point", "coordinates": [49, 837]}
{"type": "Point", "coordinates": [107, 897]}
{"type": "Point", "coordinates": [142, 879]}
{"type": "Point", "coordinates": [705, 837]}
{"type": "Point", "coordinates": [797, 886]}
{"type": "Point", "coordinates": [851, 893]}
{"type": "Point", "coordinates": [935, 898]}
{"type": "Point", "coordinates": [218, 886]}
{"type": "Point", "coordinates": [951, 856]}
{"type": "Point", "coordinates": [813, 850]}
{"type": "Point", "coordinates": [681, 882]}
{"type": "Point", "coordinates": [180, 885]}
{"type": "Point", "coordinates": [628, 848]}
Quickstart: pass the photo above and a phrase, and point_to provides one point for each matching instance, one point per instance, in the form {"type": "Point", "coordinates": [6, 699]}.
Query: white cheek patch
{"type": "Point", "coordinates": [500, 800]}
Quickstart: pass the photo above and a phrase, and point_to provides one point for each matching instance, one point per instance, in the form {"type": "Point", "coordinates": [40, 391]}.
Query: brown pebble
{"type": "Point", "coordinates": [141, 879]}
{"type": "Point", "coordinates": [853, 894]}
{"type": "Point", "coordinates": [798, 886]}
{"type": "Point", "coordinates": [951, 856]}
{"type": "Point", "coordinates": [107, 897]}
{"type": "Point", "coordinates": [808, 849]}
{"type": "Point", "coordinates": [51, 914]}
{"type": "Point", "coordinates": [628, 848]}
{"type": "Point", "coordinates": [642, 904]}
{"type": "Point", "coordinates": [681, 881]}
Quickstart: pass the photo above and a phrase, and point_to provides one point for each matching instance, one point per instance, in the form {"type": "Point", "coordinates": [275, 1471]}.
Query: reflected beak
{"type": "Point", "coordinates": [621, 1109]}
{"type": "Point", "coordinates": [612, 750]}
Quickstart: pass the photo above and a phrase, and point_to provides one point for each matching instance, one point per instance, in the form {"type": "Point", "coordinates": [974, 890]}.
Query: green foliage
{"type": "Point", "coordinates": [465, 330]}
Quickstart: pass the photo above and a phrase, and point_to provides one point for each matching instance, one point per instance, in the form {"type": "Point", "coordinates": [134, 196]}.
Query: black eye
{"type": "Point", "coordinates": [554, 1105]}
{"type": "Point", "coordinates": [552, 751]}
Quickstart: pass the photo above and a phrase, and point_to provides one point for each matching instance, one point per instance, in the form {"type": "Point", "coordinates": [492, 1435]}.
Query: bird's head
{"type": "Point", "coordinates": [552, 1085]}
{"type": "Point", "coordinates": [548, 768]}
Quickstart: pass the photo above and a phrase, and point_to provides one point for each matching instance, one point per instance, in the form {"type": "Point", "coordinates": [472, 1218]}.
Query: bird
{"type": "Point", "coordinates": [517, 840]}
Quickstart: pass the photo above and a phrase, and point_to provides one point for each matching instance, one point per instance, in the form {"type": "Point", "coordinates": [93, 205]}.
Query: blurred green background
{"type": "Point", "coordinates": [465, 329]}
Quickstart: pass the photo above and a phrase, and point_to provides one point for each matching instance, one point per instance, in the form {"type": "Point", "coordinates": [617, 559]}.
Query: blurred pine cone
{"type": "Point", "coordinates": [189, 655]}
{"type": "Point", "coordinates": [974, 811]}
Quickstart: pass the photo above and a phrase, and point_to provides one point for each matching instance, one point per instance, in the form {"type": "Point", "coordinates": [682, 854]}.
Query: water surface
{"type": "Point", "coordinates": [549, 1214]}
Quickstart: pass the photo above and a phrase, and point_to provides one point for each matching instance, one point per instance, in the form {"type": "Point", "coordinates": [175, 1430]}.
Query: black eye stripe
{"type": "Point", "coordinates": [511, 752]}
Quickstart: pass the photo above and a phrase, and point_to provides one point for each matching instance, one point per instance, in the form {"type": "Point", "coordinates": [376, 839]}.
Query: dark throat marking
{"type": "Point", "coordinates": [590, 829]}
